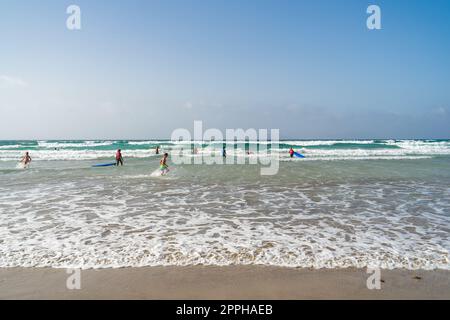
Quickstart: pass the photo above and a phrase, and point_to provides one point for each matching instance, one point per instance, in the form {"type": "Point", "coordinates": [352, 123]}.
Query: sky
{"type": "Point", "coordinates": [141, 69]}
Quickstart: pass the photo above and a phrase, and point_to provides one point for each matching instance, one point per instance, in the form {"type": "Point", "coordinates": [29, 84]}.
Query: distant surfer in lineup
{"type": "Point", "coordinates": [26, 160]}
{"type": "Point", "coordinates": [163, 164]}
{"type": "Point", "coordinates": [119, 158]}
{"type": "Point", "coordinates": [291, 152]}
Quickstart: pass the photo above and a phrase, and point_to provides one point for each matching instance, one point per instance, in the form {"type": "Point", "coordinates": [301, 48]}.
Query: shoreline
{"type": "Point", "coordinates": [228, 282]}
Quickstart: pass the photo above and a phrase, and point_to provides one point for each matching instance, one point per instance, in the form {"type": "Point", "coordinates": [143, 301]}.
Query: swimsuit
{"type": "Point", "coordinates": [162, 165]}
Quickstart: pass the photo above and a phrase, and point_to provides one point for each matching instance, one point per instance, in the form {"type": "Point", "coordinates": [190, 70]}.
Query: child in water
{"type": "Point", "coordinates": [26, 159]}
{"type": "Point", "coordinates": [119, 158]}
{"type": "Point", "coordinates": [291, 152]}
{"type": "Point", "coordinates": [163, 164]}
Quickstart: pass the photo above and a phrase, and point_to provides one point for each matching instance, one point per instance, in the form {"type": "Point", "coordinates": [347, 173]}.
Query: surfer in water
{"type": "Point", "coordinates": [157, 150]}
{"type": "Point", "coordinates": [163, 164]}
{"type": "Point", "coordinates": [291, 152]}
{"type": "Point", "coordinates": [119, 158]}
{"type": "Point", "coordinates": [26, 159]}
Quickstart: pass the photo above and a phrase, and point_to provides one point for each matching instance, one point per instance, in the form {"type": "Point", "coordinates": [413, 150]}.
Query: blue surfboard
{"type": "Point", "coordinates": [104, 164]}
{"type": "Point", "coordinates": [298, 155]}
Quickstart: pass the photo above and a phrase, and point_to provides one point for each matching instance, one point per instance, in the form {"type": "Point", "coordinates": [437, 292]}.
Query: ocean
{"type": "Point", "coordinates": [349, 203]}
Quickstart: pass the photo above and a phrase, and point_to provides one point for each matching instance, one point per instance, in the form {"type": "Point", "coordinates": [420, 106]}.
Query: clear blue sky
{"type": "Point", "coordinates": [140, 69]}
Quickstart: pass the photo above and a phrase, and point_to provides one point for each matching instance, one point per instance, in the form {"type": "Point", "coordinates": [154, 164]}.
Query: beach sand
{"type": "Point", "coordinates": [231, 282]}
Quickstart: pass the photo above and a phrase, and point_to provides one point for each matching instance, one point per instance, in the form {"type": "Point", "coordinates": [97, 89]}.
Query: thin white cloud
{"type": "Point", "coordinates": [201, 104]}
{"type": "Point", "coordinates": [440, 111]}
{"type": "Point", "coordinates": [12, 82]}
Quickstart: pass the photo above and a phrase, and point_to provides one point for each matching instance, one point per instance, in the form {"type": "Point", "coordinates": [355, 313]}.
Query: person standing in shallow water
{"type": "Point", "coordinates": [291, 152]}
{"type": "Point", "coordinates": [157, 150]}
{"type": "Point", "coordinates": [26, 159]}
{"type": "Point", "coordinates": [163, 164]}
{"type": "Point", "coordinates": [119, 158]}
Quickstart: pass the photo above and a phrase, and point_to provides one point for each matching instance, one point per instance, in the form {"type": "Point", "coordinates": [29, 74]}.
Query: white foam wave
{"type": "Point", "coordinates": [406, 150]}
{"type": "Point", "coordinates": [140, 143]}
{"type": "Point", "coordinates": [307, 143]}
{"type": "Point", "coordinates": [143, 223]}
{"type": "Point", "coordinates": [84, 144]}
{"type": "Point", "coordinates": [15, 146]}
{"type": "Point", "coordinates": [74, 154]}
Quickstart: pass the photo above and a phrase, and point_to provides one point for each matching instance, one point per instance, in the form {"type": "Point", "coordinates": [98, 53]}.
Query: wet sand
{"type": "Point", "coordinates": [234, 282]}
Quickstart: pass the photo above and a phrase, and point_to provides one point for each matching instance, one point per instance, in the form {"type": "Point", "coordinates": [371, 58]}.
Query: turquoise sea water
{"type": "Point", "coordinates": [349, 203]}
